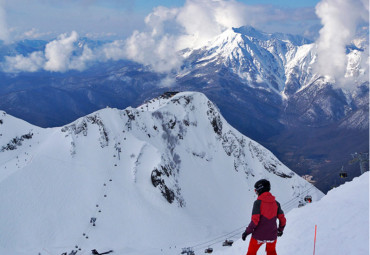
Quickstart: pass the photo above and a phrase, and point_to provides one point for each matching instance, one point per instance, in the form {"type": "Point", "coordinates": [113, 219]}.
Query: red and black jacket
{"type": "Point", "coordinates": [266, 210]}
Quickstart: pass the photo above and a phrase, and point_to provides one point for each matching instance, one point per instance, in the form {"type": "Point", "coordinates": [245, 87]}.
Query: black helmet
{"type": "Point", "coordinates": [262, 185]}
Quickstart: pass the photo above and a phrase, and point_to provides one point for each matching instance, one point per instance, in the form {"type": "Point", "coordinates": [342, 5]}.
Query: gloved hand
{"type": "Point", "coordinates": [279, 233]}
{"type": "Point", "coordinates": [244, 236]}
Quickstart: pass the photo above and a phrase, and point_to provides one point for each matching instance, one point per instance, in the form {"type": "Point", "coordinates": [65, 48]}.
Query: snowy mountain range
{"type": "Point", "coordinates": [283, 66]}
{"type": "Point", "coordinates": [157, 178]}
{"type": "Point", "coordinates": [260, 59]}
{"type": "Point", "coordinates": [266, 86]}
{"type": "Point", "coordinates": [278, 62]}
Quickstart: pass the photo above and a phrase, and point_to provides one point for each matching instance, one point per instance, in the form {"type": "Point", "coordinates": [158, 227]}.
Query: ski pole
{"type": "Point", "coordinates": [314, 242]}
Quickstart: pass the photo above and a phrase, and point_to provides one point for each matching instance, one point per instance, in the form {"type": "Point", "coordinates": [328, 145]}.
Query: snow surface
{"type": "Point", "coordinates": [342, 220]}
{"type": "Point", "coordinates": [165, 175]}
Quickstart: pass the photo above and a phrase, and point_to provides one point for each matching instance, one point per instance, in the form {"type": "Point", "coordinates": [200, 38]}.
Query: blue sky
{"type": "Point", "coordinates": [115, 19]}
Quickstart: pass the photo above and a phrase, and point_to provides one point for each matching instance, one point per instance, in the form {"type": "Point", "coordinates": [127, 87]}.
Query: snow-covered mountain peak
{"type": "Point", "coordinates": [275, 43]}
{"type": "Point", "coordinates": [282, 64]}
{"type": "Point", "coordinates": [257, 58]}
{"type": "Point", "coordinates": [252, 32]}
{"type": "Point", "coordinates": [173, 163]}
{"type": "Point", "coordinates": [259, 35]}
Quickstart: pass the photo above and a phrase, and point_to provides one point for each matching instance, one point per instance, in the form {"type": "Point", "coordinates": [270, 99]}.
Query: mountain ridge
{"type": "Point", "coordinates": [175, 160]}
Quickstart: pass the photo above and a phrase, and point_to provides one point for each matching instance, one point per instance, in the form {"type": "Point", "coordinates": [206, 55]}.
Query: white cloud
{"type": "Point", "coordinates": [59, 51]}
{"type": "Point", "coordinates": [63, 54]}
{"type": "Point", "coordinates": [167, 82]}
{"type": "Point", "coordinates": [340, 19]}
{"type": "Point", "coordinates": [160, 52]}
{"type": "Point", "coordinates": [113, 51]}
{"type": "Point", "coordinates": [60, 55]}
{"type": "Point", "coordinates": [80, 62]}
{"type": "Point", "coordinates": [34, 62]}
{"type": "Point", "coordinates": [203, 20]}
{"type": "Point", "coordinates": [196, 23]}
{"type": "Point", "coordinates": [156, 19]}
{"type": "Point", "coordinates": [33, 33]}
{"type": "Point", "coordinates": [158, 46]}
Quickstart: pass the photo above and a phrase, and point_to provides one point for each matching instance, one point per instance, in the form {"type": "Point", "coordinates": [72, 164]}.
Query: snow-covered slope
{"type": "Point", "coordinates": [157, 178]}
{"type": "Point", "coordinates": [342, 220]}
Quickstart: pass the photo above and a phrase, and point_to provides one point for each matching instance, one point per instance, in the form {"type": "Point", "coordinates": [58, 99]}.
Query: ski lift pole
{"type": "Point", "coordinates": [314, 242]}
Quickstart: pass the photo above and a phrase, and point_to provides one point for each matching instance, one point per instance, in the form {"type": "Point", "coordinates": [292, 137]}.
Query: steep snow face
{"type": "Point", "coordinates": [257, 57]}
{"type": "Point", "coordinates": [342, 220]}
{"type": "Point", "coordinates": [157, 178]}
{"type": "Point", "coordinates": [299, 70]}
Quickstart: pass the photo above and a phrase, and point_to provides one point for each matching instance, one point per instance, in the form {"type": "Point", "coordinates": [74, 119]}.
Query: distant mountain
{"type": "Point", "coordinates": [28, 46]}
{"type": "Point", "coordinates": [168, 169]}
{"type": "Point", "coordinates": [64, 97]}
{"type": "Point", "coordinates": [23, 47]}
{"type": "Point", "coordinates": [259, 59]}
{"type": "Point", "coordinates": [265, 85]}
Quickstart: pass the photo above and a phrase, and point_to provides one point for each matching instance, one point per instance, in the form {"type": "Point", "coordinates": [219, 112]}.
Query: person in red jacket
{"type": "Point", "coordinates": [266, 210]}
